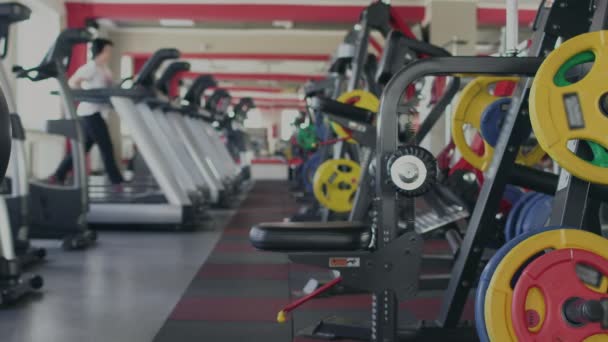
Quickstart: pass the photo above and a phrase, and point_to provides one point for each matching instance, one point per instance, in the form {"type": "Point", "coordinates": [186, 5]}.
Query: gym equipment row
{"type": "Point", "coordinates": [541, 256]}
{"type": "Point", "coordinates": [181, 169]}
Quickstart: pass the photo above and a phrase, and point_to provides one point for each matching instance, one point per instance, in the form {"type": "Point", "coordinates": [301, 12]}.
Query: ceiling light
{"type": "Point", "coordinates": [286, 24]}
{"type": "Point", "coordinates": [107, 23]}
{"type": "Point", "coordinates": [176, 22]}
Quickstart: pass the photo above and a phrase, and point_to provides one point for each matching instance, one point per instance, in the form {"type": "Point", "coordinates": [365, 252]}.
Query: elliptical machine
{"type": "Point", "coordinates": [16, 189]}
{"type": "Point", "coordinates": [13, 284]}
{"type": "Point", "coordinates": [59, 211]}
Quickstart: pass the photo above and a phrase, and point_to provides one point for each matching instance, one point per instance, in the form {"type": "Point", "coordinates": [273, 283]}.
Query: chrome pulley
{"type": "Point", "coordinates": [412, 170]}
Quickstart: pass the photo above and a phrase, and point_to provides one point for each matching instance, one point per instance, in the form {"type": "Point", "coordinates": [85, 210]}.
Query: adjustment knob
{"type": "Point", "coordinates": [412, 170]}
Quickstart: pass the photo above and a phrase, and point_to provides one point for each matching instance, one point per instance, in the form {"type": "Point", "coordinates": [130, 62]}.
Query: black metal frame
{"type": "Point", "coordinates": [551, 23]}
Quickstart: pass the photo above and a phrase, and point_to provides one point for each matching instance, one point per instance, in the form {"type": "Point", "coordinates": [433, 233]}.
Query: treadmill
{"type": "Point", "coordinates": [194, 182]}
{"type": "Point", "coordinates": [164, 204]}
{"type": "Point", "coordinates": [198, 122]}
{"type": "Point", "coordinates": [180, 123]}
{"type": "Point", "coordinates": [58, 210]}
{"type": "Point", "coordinates": [217, 105]}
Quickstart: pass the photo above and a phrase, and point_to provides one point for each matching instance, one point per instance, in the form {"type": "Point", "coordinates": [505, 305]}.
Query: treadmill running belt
{"type": "Point", "coordinates": [238, 292]}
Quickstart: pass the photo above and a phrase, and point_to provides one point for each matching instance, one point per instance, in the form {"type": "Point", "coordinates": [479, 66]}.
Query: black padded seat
{"type": "Point", "coordinates": [310, 236]}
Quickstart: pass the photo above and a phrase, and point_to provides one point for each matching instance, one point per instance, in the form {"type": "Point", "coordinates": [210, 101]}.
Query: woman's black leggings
{"type": "Point", "coordinates": [95, 131]}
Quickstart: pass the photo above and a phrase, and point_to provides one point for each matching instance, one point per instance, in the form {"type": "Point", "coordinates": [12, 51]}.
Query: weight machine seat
{"type": "Point", "coordinates": [310, 236]}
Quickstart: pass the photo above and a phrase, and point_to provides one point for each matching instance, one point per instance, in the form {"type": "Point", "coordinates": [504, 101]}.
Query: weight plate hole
{"type": "Point", "coordinates": [473, 137]}
{"type": "Point", "coordinates": [344, 186]}
{"type": "Point", "coordinates": [517, 274]}
{"type": "Point", "coordinates": [345, 168]}
{"type": "Point", "coordinates": [575, 69]}
{"type": "Point", "coordinates": [604, 104]}
{"type": "Point", "coordinates": [594, 153]}
{"type": "Point", "coordinates": [501, 88]}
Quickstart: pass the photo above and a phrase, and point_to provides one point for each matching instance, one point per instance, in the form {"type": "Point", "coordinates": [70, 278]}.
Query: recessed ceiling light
{"type": "Point", "coordinates": [107, 23]}
{"type": "Point", "coordinates": [176, 22]}
{"type": "Point", "coordinates": [286, 24]}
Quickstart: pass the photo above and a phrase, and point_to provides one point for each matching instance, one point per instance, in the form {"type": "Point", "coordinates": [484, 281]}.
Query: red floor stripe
{"type": "Point", "coordinates": [228, 309]}
{"type": "Point", "coordinates": [236, 232]}
{"type": "Point", "coordinates": [245, 271]}
{"type": "Point", "coordinates": [234, 247]}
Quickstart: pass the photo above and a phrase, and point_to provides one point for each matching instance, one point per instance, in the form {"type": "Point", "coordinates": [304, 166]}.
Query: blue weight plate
{"type": "Point", "coordinates": [537, 214]}
{"type": "Point", "coordinates": [308, 171]}
{"type": "Point", "coordinates": [492, 118]}
{"type": "Point", "coordinates": [524, 210]}
{"type": "Point", "coordinates": [512, 194]}
{"type": "Point", "coordinates": [511, 224]}
{"type": "Point", "coordinates": [486, 277]}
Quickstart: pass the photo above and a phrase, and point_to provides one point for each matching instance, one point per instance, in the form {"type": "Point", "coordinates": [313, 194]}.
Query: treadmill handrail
{"type": "Point", "coordinates": [146, 75]}
{"type": "Point", "coordinates": [59, 54]}
{"type": "Point", "coordinates": [163, 84]}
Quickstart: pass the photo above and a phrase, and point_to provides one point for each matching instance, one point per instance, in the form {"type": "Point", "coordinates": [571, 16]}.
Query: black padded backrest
{"type": "Point", "coordinates": [378, 16]}
{"type": "Point", "coordinates": [400, 50]}
{"type": "Point", "coordinates": [146, 75]}
{"type": "Point", "coordinates": [340, 65]}
{"type": "Point", "coordinates": [394, 57]}
{"type": "Point", "coordinates": [10, 13]}
{"type": "Point", "coordinates": [164, 82]}
{"type": "Point", "coordinates": [198, 87]}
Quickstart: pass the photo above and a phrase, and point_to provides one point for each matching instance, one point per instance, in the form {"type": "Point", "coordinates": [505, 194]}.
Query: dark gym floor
{"type": "Point", "coordinates": [120, 291]}
{"type": "Point", "coordinates": [207, 286]}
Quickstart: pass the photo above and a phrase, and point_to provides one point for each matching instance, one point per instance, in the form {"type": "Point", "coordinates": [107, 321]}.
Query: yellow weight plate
{"type": "Point", "coordinates": [358, 98]}
{"type": "Point", "coordinates": [564, 111]}
{"type": "Point", "coordinates": [499, 295]}
{"type": "Point", "coordinates": [474, 99]}
{"type": "Point", "coordinates": [335, 184]}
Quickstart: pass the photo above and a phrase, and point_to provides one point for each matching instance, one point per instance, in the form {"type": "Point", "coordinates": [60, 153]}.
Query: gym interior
{"type": "Point", "coordinates": [303, 170]}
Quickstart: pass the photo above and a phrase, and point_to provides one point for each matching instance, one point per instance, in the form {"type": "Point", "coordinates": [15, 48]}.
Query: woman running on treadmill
{"type": "Point", "coordinates": [94, 74]}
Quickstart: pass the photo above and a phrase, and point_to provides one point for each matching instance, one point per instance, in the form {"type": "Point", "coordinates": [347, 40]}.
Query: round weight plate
{"type": "Point", "coordinates": [335, 184]}
{"type": "Point", "coordinates": [512, 194]}
{"type": "Point", "coordinates": [486, 277]}
{"type": "Point", "coordinates": [474, 99]}
{"type": "Point", "coordinates": [536, 214]}
{"type": "Point", "coordinates": [499, 292]}
{"type": "Point", "coordinates": [562, 110]}
{"type": "Point", "coordinates": [492, 119]}
{"type": "Point", "coordinates": [358, 98]}
{"type": "Point", "coordinates": [550, 284]}
{"type": "Point", "coordinates": [511, 224]}
{"type": "Point", "coordinates": [524, 212]}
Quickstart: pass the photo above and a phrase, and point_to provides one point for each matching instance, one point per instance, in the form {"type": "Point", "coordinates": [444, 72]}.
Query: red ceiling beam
{"type": "Point", "coordinates": [235, 12]}
{"type": "Point", "coordinates": [297, 78]}
{"type": "Point", "coordinates": [498, 16]}
{"type": "Point", "coordinates": [242, 56]}
{"type": "Point", "coordinates": [269, 101]}
{"type": "Point", "coordinates": [272, 108]}
{"type": "Point", "coordinates": [265, 12]}
{"type": "Point", "coordinates": [259, 89]}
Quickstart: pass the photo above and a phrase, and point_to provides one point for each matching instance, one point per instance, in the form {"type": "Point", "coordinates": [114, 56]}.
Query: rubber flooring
{"type": "Point", "coordinates": [239, 290]}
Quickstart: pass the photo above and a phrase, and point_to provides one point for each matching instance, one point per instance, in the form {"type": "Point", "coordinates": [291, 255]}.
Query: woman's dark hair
{"type": "Point", "coordinates": [98, 45]}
